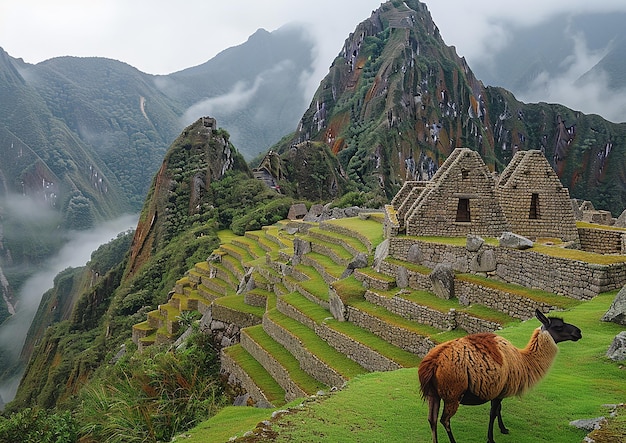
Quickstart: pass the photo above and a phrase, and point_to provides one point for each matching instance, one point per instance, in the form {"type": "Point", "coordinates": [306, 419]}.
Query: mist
{"type": "Point", "coordinates": [579, 86]}
{"type": "Point", "coordinates": [76, 252]}
{"type": "Point", "coordinates": [239, 96]}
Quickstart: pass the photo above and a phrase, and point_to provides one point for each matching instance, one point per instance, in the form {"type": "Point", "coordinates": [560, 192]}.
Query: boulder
{"type": "Point", "coordinates": [359, 261]}
{"type": "Point", "coordinates": [442, 280]}
{"type": "Point", "coordinates": [381, 253]}
{"type": "Point", "coordinates": [617, 311]}
{"type": "Point", "coordinates": [297, 211]}
{"type": "Point", "coordinates": [617, 350]}
{"type": "Point", "coordinates": [484, 261]}
{"type": "Point", "coordinates": [588, 424]}
{"type": "Point", "coordinates": [414, 255]}
{"type": "Point", "coordinates": [315, 214]}
{"type": "Point", "coordinates": [474, 242]}
{"type": "Point", "coordinates": [514, 241]}
{"type": "Point", "coordinates": [300, 247]}
{"type": "Point", "coordinates": [336, 306]}
{"type": "Point", "coordinates": [402, 277]}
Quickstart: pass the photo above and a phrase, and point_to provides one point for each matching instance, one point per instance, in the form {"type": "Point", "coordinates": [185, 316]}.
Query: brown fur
{"type": "Point", "coordinates": [486, 365]}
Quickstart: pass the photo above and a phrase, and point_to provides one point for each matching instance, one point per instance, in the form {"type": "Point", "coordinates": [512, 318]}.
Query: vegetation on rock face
{"type": "Point", "coordinates": [201, 188]}
{"type": "Point", "coordinates": [394, 105]}
{"type": "Point", "coordinates": [153, 396]}
{"type": "Point", "coordinates": [397, 101]}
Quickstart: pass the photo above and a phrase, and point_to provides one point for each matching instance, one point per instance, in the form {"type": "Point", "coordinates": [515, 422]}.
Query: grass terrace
{"type": "Point", "coordinates": [386, 406]}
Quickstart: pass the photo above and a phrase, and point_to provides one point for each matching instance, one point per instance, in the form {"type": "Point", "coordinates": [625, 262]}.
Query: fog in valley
{"type": "Point", "coordinates": [76, 252]}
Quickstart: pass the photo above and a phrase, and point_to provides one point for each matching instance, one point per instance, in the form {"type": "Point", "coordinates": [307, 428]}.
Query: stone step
{"type": "Point", "coordinates": [217, 285]}
{"type": "Point", "coordinates": [309, 285]}
{"type": "Point", "coordinates": [316, 357]}
{"type": "Point", "coordinates": [243, 370]}
{"type": "Point", "coordinates": [230, 269]}
{"type": "Point", "coordinates": [373, 279]}
{"type": "Point", "coordinates": [281, 365]}
{"type": "Point", "coordinates": [337, 227]}
{"type": "Point", "coordinates": [278, 236]}
{"type": "Point", "coordinates": [364, 347]}
{"type": "Point", "coordinates": [254, 249]}
{"type": "Point", "coordinates": [238, 253]}
{"type": "Point", "coordinates": [256, 297]}
{"type": "Point", "coordinates": [329, 272]}
{"type": "Point", "coordinates": [329, 247]}
{"type": "Point", "coordinates": [233, 309]}
{"type": "Point", "coordinates": [427, 309]}
{"type": "Point", "coordinates": [350, 243]}
{"type": "Point", "coordinates": [265, 243]}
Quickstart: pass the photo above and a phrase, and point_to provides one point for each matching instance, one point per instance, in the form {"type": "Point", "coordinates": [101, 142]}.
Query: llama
{"type": "Point", "coordinates": [484, 367]}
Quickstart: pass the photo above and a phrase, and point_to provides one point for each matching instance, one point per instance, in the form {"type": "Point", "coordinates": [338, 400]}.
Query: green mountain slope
{"type": "Point", "coordinates": [398, 100]}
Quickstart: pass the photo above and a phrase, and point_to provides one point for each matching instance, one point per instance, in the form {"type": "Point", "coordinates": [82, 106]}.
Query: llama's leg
{"type": "Point", "coordinates": [433, 414]}
{"type": "Point", "coordinates": [449, 409]}
{"type": "Point", "coordinates": [495, 412]}
{"type": "Point", "coordinates": [503, 428]}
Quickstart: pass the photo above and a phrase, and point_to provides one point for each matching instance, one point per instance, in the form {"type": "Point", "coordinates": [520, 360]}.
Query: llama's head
{"type": "Point", "coordinates": [558, 329]}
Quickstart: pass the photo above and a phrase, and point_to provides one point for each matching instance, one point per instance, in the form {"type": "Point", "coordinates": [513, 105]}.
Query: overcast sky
{"type": "Point", "coordinates": [163, 36]}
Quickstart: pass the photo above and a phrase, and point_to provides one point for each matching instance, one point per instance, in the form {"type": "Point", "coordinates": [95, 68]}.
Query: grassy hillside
{"type": "Point", "coordinates": [387, 406]}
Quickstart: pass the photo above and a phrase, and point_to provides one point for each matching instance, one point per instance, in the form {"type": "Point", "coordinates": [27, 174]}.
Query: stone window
{"type": "Point", "coordinates": [533, 214]}
{"type": "Point", "coordinates": [463, 210]}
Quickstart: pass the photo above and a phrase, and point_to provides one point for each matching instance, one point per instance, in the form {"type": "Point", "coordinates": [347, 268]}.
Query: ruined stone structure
{"type": "Point", "coordinates": [534, 201]}
{"type": "Point", "coordinates": [464, 198]}
{"type": "Point", "coordinates": [459, 200]}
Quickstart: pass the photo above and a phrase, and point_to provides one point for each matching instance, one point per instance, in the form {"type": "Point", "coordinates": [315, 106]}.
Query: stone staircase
{"type": "Point", "coordinates": [274, 288]}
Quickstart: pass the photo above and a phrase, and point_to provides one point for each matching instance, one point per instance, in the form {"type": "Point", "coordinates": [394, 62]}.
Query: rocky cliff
{"type": "Point", "coordinates": [397, 100]}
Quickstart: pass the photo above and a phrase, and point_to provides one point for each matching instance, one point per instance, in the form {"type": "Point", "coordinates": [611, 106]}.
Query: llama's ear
{"type": "Point", "coordinates": [542, 318]}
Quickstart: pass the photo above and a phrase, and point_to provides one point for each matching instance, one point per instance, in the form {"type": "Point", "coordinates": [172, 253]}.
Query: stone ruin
{"type": "Point", "coordinates": [464, 198]}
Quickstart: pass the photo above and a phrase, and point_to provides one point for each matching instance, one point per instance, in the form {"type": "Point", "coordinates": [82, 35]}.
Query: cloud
{"type": "Point", "coordinates": [75, 253]}
{"type": "Point", "coordinates": [234, 100]}
{"type": "Point", "coordinates": [479, 27]}
{"type": "Point", "coordinates": [579, 87]}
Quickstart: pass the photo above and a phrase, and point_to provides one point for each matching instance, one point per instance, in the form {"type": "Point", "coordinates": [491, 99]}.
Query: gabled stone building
{"type": "Point", "coordinates": [534, 201]}
{"type": "Point", "coordinates": [464, 198]}
{"type": "Point", "coordinates": [459, 200]}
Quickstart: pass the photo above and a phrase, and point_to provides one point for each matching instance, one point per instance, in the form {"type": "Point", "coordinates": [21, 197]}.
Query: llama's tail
{"type": "Point", "coordinates": [426, 374]}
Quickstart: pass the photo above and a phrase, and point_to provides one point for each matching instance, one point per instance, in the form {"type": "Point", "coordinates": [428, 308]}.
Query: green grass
{"type": "Point", "coordinates": [327, 264]}
{"type": "Point", "coordinates": [349, 289]}
{"type": "Point", "coordinates": [581, 224]}
{"type": "Point", "coordinates": [236, 302]}
{"type": "Point", "coordinates": [272, 390]}
{"type": "Point", "coordinates": [380, 407]}
{"type": "Point", "coordinates": [522, 291]}
{"type": "Point", "coordinates": [286, 360]}
{"type": "Point", "coordinates": [370, 229]}
{"type": "Point", "coordinates": [321, 316]}
{"type": "Point", "coordinates": [314, 344]}
{"type": "Point", "coordinates": [577, 254]}
{"type": "Point", "coordinates": [337, 248]}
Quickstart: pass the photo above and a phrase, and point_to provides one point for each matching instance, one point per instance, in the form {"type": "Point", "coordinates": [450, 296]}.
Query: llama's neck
{"type": "Point", "coordinates": [538, 356]}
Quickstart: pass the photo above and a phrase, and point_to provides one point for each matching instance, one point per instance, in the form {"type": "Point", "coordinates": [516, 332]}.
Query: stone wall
{"type": "Point", "coordinates": [533, 199]}
{"type": "Point", "coordinates": [308, 362]}
{"type": "Point", "coordinates": [239, 377]}
{"type": "Point", "coordinates": [343, 231]}
{"type": "Point", "coordinates": [602, 241]}
{"type": "Point", "coordinates": [276, 370]}
{"type": "Point", "coordinates": [397, 336]}
{"type": "Point", "coordinates": [416, 280]}
{"type": "Point", "coordinates": [571, 278]}
{"type": "Point", "coordinates": [356, 351]}
{"type": "Point", "coordinates": [451, 319]}
{"type": "Point", "coordinates": [227, 315]}
{"type": "Point", "coordinates": [511, 304]}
